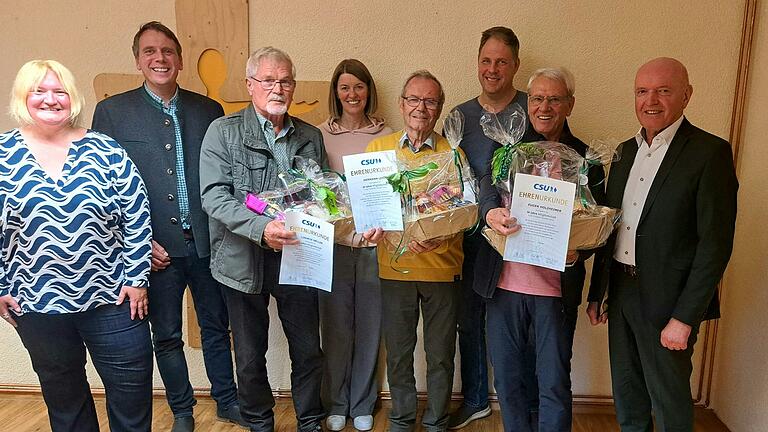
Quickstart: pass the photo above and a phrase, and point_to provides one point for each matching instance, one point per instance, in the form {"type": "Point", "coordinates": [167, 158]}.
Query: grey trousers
{"type": "Point", "coordinates": [350, 320]}
{"type": "Point", "coordinates": [401, 301]}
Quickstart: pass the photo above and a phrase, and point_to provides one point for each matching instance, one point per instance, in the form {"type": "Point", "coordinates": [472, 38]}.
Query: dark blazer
{"type": "Point", "coordinates": [685, 234]}
{"type": "Point", "coordinates": [489, 262]}
{"type": "Point", "coordinates": [147, 134]}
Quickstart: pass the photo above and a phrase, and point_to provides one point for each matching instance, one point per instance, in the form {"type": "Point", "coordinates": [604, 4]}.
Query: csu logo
{"type": "Point", "coordinates": [370, 161]}
{"type": "Point", "coordinates": [309, 223]}
{"type": "Point", "coordinates": [545, 188]}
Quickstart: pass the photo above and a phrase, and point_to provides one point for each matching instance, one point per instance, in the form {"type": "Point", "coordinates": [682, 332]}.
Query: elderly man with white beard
{"type": "Point", "coordinates": [243, 152]}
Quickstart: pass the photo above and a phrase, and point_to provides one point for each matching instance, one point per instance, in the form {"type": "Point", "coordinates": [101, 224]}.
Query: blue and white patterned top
{"type": "Point", "coordinates": [69, 245]}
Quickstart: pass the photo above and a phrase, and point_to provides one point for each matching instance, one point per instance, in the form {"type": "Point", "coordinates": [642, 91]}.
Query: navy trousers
{"type": "Point", "coordinates": [513, 320]}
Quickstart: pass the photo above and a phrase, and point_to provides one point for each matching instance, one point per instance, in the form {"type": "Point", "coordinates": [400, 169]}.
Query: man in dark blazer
{"type": "Point", "coordinates": [161, 126]}
{"type": "Point", "coordinates": [676, 186]}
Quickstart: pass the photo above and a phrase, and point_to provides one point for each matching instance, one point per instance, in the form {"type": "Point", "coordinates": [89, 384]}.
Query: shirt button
{"type": "Point", "coordinates": [634, 204]}
{"type": "Point", "coordinates": [626, 252]}
{"type": "Point", "coordinates": [169, 171]}
{"type": "Point", "coordinates": [174, 221]}
{"type": "Point", "coordinates": [642, 179]}
{"type": "Point", "coordinates": [171, 197]}
{"type": "Point", "coordinates": [648, 155]}
{"type": "Point", "coordinates": [627, 227]}
{"type": "Point", "coordinates": [168, 147]}
{"type": "Point", "coordinates": [167, 122]}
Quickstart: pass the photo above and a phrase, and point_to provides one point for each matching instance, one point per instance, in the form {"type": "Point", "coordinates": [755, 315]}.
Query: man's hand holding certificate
{"type": "Point", "coordinates": [543, 207]}
{"type": "Point", "coordinates": [310, 262]}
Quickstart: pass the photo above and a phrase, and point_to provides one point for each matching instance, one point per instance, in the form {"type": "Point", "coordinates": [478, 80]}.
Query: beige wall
{"type": "Point", "coordinates": [741, 381]}
{"type": "Point", "coordinates": [601, 43]}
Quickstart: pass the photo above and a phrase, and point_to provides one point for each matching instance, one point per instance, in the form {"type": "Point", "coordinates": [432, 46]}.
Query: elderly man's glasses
{"type": "Point", "coordinates": [413, 101]}
{"type": "Point", "coordinates": [269, 84]}
{"type": "Point", "coordinates": [553, 101]}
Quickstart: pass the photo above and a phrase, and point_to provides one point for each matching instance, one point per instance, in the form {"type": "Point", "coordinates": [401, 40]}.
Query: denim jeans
{"type": "Point", "coordinates": [121, 352]}
{"type": "Point", "coordinates": [166, 294]}
{"type": "Point", "coordinates": [298, 311]}
{"type": "Point", "coordinates": [471, 330]}
{"type": "Point", "coordinates": [513, 320]}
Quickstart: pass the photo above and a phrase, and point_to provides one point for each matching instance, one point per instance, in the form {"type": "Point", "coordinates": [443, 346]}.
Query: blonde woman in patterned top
{"type": "Point", "coordinates": [74, 255]}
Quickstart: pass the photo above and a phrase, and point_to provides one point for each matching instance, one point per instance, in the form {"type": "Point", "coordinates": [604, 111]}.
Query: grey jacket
{"type": "Point", "coordinates": [235, 159]}
{"type": "Point", "coordinates": [147, 135]}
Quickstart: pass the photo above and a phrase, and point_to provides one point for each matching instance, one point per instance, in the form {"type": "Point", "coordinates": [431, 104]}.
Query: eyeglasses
{"type": "Point", "coordinates": [553, 101]}
{"type": "Point", "coordinates": [269, 84]}
{"type": "Point", "coordinates": [413, 101]}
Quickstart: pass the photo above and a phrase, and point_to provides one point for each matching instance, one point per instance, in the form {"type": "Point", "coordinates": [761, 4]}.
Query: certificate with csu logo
{"type": "Point", "coordinates": [544, 208]}
{"type": "Point", "coordinates": [374, 203]}
{"type": "Point", "coordinates": [310, 262]}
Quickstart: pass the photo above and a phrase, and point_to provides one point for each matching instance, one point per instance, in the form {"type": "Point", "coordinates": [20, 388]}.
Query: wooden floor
{"type": "Point", "coordinates": [25, 413]}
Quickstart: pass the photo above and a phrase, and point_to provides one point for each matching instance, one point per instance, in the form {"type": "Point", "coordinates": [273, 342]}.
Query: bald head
{"type": "Point", "coordinates": [662, 92]}
{"type": "Point", "coordinates": [665, 66]}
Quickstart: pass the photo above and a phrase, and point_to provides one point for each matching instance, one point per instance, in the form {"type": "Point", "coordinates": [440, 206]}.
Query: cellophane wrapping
{"type": "Point", "coordinates": [310, 190]}
{"type": "Point", "coordinates": [591, 224]}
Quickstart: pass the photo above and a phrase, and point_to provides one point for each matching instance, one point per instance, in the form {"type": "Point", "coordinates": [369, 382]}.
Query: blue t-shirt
{"type": "Point", "coordinates": [478, 147]}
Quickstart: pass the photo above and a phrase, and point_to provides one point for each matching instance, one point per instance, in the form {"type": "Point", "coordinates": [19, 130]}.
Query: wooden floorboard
{"type": "Point", "coordinates": [27, 413]}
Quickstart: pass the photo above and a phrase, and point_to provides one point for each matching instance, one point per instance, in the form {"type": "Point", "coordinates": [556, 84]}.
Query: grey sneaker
{"type": "Point", "coordinates": [336, 422]}
{"type": "Point", "coordinates": [466, 415]}
{"type": "Point", "coordinates": [363, 422]}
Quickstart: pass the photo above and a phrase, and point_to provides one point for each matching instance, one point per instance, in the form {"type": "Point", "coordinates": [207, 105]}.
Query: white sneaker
{"type": "Point", "coordinates": [336, 422]}
{"type": "Point", "coordinates": [363, 423]}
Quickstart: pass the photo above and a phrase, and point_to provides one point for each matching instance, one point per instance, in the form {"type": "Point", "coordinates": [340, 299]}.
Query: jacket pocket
{"type": "Point", "coordinates": [249, 171]}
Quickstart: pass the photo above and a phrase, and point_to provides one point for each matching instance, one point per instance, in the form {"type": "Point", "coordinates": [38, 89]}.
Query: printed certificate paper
{"type": "Point", "coordinates": [374, 203]}
{"type": "Point", "coordinates": [544, 208]}
{"type": "Point", "coordinates": [310, 262]}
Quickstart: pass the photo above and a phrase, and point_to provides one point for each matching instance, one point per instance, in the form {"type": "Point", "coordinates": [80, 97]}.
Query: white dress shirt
{"type": "Point", "coordinates": [647, 162]}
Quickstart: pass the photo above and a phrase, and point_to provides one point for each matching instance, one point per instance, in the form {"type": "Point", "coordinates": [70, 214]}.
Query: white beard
{"type": "Point", "coordinates": [275, 109]}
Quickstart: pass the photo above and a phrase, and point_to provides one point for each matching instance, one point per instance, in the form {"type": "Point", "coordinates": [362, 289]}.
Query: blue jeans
{"type": "Point", "coordinates": [120, 350]}
{"type": "Point", "coordinates": [166, 294]}
{"type": "Point", "coordinates": [471, 328]}
{"type": "Point", "coordinates": [513, 320]}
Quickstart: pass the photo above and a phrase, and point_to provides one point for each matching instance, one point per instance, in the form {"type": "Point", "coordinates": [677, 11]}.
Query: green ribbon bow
{"type": "Point", "coordinates": [504, 157]}
{"type": "Point", "coordinates": [323, 193]}
{"type": "Point", "coordinates": [401, 183]}
{"type": "Point", "coordinates": [401, 180]}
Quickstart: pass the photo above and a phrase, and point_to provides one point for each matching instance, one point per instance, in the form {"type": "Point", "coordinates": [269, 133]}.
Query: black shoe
{"type": "Point", "coordinates": [183, 424]}
{"type": "Point", "coordinates": [231, 414]}
{"type": "Point", "coordinates": [466, 415]}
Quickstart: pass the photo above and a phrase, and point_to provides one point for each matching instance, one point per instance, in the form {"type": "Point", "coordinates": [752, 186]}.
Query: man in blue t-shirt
{"type": "Point", "coordinates": [497, 63]}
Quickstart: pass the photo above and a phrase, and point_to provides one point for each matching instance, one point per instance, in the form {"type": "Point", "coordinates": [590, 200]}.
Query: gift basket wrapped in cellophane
{"type": "Point", "coordinates": [438, 192]}
{"type": "Point", "coordinates": [591, 224]}
{"type": "Point", "coordinates": [310, 190]}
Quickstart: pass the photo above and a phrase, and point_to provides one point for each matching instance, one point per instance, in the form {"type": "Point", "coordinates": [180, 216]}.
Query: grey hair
{"type": "Point", "coordinates": [557, 74]}
{"type": "Point", "coordinates": [423, 73]}
{"type": "Point", "coordinates": [252, 66]}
